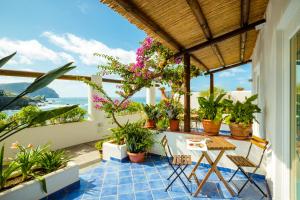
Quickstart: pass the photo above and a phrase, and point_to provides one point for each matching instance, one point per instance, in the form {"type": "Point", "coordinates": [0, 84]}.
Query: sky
{"type": "Point", "coordinates": [49, 33]}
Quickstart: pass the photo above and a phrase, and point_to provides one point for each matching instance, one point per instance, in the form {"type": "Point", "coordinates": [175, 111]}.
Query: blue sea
{"type": "Point", "coordinates": [65, 101]}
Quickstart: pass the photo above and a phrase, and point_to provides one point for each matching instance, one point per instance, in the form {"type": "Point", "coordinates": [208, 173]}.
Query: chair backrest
{"type": "Point", "coordinates": [260, 143]}
{"type": "Point", "coordinates": [166, 147]}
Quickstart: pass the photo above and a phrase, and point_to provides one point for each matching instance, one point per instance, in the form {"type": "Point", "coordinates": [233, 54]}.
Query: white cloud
{"type": "Point", "coordinates": [86, 48]}
{"type": "Point", "coordinates": [31, 51]}
{"type": "Point", "coordinates": [231, 72]}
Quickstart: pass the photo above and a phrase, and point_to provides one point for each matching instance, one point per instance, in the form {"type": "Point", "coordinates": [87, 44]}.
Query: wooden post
{"type": "Point", "coordinates": [211, 85]}
{"type": "Point", "coordinates": [187, 90]}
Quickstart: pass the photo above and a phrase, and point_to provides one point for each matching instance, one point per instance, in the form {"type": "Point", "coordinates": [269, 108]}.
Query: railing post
{"type": "Point", "coordinates": [94, 114]}
{"type": "Point", "coordinates": [150, 95]}
{"type": "Point", "coordinates": [187, 90]}
{"type": "Point", "coordinates": [211, 85]}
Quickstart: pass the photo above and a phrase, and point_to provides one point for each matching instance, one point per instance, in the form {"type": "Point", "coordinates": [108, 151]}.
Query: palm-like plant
{"type": "Point", "coordinates": [242, 112]}
{"type": "Point", "coordinates": [211, 108]}
{"type": "Point", "coordinates": [151, 111]}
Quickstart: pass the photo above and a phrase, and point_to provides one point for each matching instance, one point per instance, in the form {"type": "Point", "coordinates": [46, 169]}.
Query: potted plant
{"type": "Point", "coordinates": [152, 115]}
{"type": "Point", "coordinates": [241, 116]}
{"type": "Point", "coordinates": [173, 109]}
{"type": "Point", "coordinates": [138, 140]}
{"type": "Point", "coordinates": [210, 113]}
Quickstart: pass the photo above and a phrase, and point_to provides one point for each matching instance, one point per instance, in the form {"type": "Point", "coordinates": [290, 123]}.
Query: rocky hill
{"type": "Point", "coordinates": [16, 88]}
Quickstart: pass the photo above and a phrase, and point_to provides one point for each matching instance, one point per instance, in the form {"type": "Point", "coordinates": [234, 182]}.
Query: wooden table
{"type": "Point", "coordinates": [216, 143]}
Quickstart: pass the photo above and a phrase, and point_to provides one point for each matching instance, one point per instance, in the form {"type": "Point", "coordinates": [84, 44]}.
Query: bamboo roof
{"type": "Point", "coordinates": [217, 33]}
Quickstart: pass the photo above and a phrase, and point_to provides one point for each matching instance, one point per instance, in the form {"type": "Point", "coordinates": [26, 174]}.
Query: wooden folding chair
{"type": "Point", "coordinates": [241, 161]}
{"type": "Point", "coordinates": [177, 162]}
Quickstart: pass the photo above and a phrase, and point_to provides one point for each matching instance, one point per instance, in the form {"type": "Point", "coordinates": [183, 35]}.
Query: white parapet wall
{"type": "Point", "coordinates": [177, 143]}
{"type": "Point", "coordinates": [65, 135]}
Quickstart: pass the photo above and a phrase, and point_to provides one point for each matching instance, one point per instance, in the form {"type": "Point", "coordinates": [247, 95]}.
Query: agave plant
{"type": "Point", "coordinates": [211, 108]}
{"type": "Point", "coordinates": [53, 160]}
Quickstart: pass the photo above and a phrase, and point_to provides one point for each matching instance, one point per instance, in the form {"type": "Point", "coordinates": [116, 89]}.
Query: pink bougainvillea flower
{"type": "Point", "coordinates": [14, 145]}
{"type": "Point", "coordinates": [178, 60]}
{"type": "Point", "coordinates": [98, 106]}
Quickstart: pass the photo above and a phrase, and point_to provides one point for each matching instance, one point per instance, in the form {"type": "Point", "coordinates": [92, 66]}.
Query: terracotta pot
{"type": "Point", "coordinates": [211, 127]}
{"type": "Point", "coordinates": [174, 125]}
{"type": "Point", "coordinates": [240, 132]}
{"type": "Point", "coordinates": [150, 123]}
{"type": "Point", "coordinates": [136, 157]}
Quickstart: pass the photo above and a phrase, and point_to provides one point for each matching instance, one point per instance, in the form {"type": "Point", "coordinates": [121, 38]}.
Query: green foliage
{"type": "Point", "coordinates": [151, 111]}
{"type": "Point", "coordinates": [137, 139]}
{"type": "Point", "coordinates": [75, 115]}
{"type": "Point", "coordinates": [217, 92]}
{"type": "Point", "coordinates": [162, 124]}
{"type": "Point", "coordinates": [28, 159]}
{"type": "Point", "coordinates": [4, 60]}
{"type": "Point", "coordinates": [99, 144]}
{"type": "Point", "coordinates": [50, 161]}
{"type": "Point", "coordinates": [6, 171]}
{"type": "Point", "coordinates": [134, 107]}
{"type": "Point", "coordinates": [25, 115]}
{"type": "Point", "coordinates": [242, 112]}
{"type": "Point", "coordinates": [211, 108]}
{"type": "Point", "coordinates": [170, 109]}
{"type": "Point", "coordinates": [117, 135]}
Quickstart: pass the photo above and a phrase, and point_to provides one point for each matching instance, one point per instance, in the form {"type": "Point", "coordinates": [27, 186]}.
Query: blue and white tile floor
{"type": "Point", "coordinates": [146, 181]}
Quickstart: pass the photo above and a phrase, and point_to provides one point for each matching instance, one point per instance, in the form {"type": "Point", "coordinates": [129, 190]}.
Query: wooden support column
{"type": "Point", "coordinates": [187, 90]}
{"type": "Point", "coordinates": [211, 85]}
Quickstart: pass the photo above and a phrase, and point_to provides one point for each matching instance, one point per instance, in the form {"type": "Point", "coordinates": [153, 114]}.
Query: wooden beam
{"type": "Point", "coordinates": [199, 61]}
{"type": "Point", "coordinates": [222, 37]}
{"type": "Point", "coordinates": [227, 67]}
{"type": "Point", "coordinates": [28, 74]}
{"type": "Point", "coordinates": [211, 85]}
{"type": "Point", "coordinates": [141, 16]}
{"type": "Point", "coordinates": [202, 21]}
{"type": "Point", "coordinates": [187, 91]}
{"type": "Point", "coordinates": [245, 9]}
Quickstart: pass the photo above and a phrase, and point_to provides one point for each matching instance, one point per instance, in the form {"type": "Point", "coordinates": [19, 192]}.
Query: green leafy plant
{"type": "Point", "coordinates": [241, 112]}
{"type": "Point", "coordinates": [117, 135]}
{"type": "Point", "coordinates": [74, 115]}
{"type": "Point", "coordinates": [173, 109]}
{"type": "Point", "coordinates": [137, 139]}
{"type": "Point", "coordinates": [50, 161]}
{"type": "Point", "coordinates": [151, 111]}
{"type": "Point", "coordinates": [211, 108]}
{"type": "Point", "coordinates": [162, 124]}
{"type": "Point", "coordinates": [217, 92]}
{"type": "Point", "coordinates": [99, 144]}
{"type": "Point", "coordinates": [28, 158]}
{"type": "Point", "coordinates": [6, 171]}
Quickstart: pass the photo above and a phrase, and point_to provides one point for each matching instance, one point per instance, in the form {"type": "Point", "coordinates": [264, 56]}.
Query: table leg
{"type": "Point", "coordinates": [213, 165]}
{"type": "Point", "coordinates": [218, 173]}
{"type": "Point", "coordinates": [196, 166]}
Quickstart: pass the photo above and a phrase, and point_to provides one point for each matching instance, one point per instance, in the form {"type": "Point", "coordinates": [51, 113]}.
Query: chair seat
{"type": "Point", "coordinates": [182, 160]}
{"type": "Point", "coordinates": [241, 161]}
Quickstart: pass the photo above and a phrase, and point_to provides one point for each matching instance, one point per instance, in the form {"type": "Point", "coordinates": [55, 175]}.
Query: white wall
{"type": "Point", "coordinates": [271, 70]}
{"type": "Point", "coordinates": [65, 135]}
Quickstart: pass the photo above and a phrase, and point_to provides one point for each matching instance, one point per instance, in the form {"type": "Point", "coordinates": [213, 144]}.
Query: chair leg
{"type": "Point", "coordinates": [252, 181]}
{"type": "Point", "coordinates": [178, 176]}
{"type": "Point", "coordinates": [173, 173]}
{"type": "Point", "coordinates": [233, 174]}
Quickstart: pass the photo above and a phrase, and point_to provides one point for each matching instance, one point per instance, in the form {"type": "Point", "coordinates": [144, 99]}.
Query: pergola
{"type": "Point", "coordinates": [214, 35]}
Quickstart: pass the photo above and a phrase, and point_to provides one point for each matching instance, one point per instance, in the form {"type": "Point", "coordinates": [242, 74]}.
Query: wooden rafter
{"type": "Point", "coordinates": [16, 73]}
{"type": "Point", "coordinates": [245, 9]}
{"type": "Point", "coordinates": [222, 37]}
{"type": "Point", "coordinates": [227, 67]}
{"type": "Point", "coordinates": [198, 13]}
{"type": "Point", "coordinates": [133, 10]}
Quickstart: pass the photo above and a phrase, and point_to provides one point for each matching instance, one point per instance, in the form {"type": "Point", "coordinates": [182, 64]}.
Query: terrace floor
{"type": "Point", "coordinates": [113, 180]}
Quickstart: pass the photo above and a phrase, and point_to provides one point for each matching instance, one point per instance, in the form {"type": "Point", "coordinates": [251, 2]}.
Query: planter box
{"type": "Point", "coordinates": [55, 181]}
{"type": "Point", "coordinates": [113, 151]}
